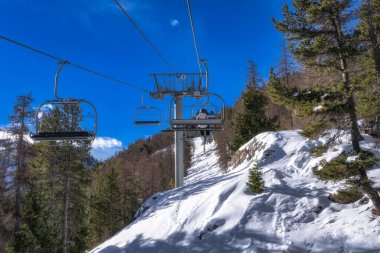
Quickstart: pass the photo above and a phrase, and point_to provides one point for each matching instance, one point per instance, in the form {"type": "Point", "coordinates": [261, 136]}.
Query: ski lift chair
{"type": "Point", "coordinates": [71, 133]}
{"type": "Point", "coordinates": [194, 124]}
{"type": "Point", "coordinates": [147, 115]}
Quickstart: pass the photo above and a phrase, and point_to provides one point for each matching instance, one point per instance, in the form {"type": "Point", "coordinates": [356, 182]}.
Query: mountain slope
{"type": "Point", "coordinates": [220, 214]}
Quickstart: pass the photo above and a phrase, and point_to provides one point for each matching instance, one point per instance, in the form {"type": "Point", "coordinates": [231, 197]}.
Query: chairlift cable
{"type": "Point", "coordinates": [143, 35]}
{"type": "Point", "coordinates": [194, 37]}
{"type": "Point", "coordinates": [72, 64]}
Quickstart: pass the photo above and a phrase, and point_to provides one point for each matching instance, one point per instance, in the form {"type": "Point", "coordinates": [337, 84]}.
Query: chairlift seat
{"type": "Point", "coordinates": [147, 115]}
{"type": "Point", "coordinates": [148, 122]}
{"type": "Point", "coordinates": [63, 136]}
{"type": "Point", "coordinates": [197, 124]}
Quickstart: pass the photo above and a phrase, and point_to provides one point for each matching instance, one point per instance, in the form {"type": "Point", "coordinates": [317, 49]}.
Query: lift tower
{"type": "Point", "coordinates": [178, 85]}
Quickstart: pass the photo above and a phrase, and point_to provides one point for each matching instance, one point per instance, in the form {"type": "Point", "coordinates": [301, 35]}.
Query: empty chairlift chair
{"type": "Point", "coordinates": [63, 119]}
{"type": "Point", "coordinates": [147, 115]}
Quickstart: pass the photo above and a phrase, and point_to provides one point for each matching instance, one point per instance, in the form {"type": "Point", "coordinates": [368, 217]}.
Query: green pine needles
{"type": "Point", "coordinates": [342, 169]}
{"type": "Point", "coordinates": [255, 181]}
{"type": "Point", "coordinates": [346, 196]}
{"type": "Point", "coordinates": [253, 119]}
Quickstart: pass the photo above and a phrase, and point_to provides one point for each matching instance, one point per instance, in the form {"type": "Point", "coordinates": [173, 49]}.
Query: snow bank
{"type": "Point", "coordinates": [219, 214]}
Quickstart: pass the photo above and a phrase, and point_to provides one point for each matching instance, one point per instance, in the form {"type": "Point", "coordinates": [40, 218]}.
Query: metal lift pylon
{"type": "Point", "coordinates": [179, 85]}
{"type": "Point", "coordinates": [178, 136]}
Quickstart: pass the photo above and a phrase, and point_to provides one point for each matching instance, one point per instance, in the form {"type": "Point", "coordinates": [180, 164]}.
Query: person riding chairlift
{"type": "Point", "coordinates": [203, 115]}
{"type": "Point", "coordinates": [211, 115]}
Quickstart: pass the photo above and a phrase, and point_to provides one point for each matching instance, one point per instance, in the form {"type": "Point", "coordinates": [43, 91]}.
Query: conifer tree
{"type": "Point", "coordinates": [5, 229]}
{"type": "Point", "coordinates": [68, 178]}
{"type": "Point", "coordinates": [369, 31]}
{"type": "Point", "coordinates": [320, 36]}
{"type": "Point", "coordinates": [286, 65]}
{"type": "Point", "coordinates": [35, 234]}
{"type": "Point", "coordinates": [368, 34]}
{"type": "Point", "coordinates": [106, 204]}
{"type": "Point", "coordinates": [255, 181]}
{"type": "Point", "coordinates": [253, 120]}
{"type": "Point", "coordinates": [20, 119]}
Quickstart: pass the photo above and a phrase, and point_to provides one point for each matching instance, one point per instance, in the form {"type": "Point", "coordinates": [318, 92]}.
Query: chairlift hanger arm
{"type": "Point", "coordinates": [56, 79]}
{"type": "Point", "coordinates": [206, 68]}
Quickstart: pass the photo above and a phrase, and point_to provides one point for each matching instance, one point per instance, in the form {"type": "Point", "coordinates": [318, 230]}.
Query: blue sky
{"type": "Point", "coordinates": [95, 34]}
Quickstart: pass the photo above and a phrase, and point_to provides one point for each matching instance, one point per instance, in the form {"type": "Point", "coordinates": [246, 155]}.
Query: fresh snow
{"type": "Point", "coordinates": [216, 212]}
{"type": "Point", "coordinates": [318, 108]}
{"type": "Point", "coordinates": [205, 164]}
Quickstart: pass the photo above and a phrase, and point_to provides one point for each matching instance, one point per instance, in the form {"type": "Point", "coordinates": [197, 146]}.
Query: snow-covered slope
{"type": "Point", "coordinates": [204, 162]}
{"type": "Point", "coordinates": [220, 214]}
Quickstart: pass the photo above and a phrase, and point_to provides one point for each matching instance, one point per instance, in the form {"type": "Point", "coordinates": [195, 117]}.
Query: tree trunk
{"type": "Point", "coordinates": [369, 190]}
{"type": "Point", "coordinates": [65, 240]}
{"type": "Point", "coordinates": [355, 133]}
{"type": "Point", "coordinates": [19, 180]}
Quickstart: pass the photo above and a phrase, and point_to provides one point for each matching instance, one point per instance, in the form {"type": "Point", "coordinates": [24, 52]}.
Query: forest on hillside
{"type": "Point", "coordinates": [55, 197]}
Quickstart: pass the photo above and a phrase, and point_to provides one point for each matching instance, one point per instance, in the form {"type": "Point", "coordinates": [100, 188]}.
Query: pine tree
{"type": "Point", "coordinates": [36, 234]}
{"type": "Point", "coordinates": [6, 230]}
{"type": "Point", "coordinates": [68, 179]}
{"type": "Point", "coordinates": [286, 65]}
{"type": "Point", "coordinates": [368, 33]}
{"type": "Point", "coordinates": [320, 36]}
{"type": "Point", "coordinates": [107, 205]}
{"type": "Point", "coordinates": [255, 181]}
{"type": "Point", "coordinates": [253, 120]}
{"type": "Point", "coordinates": [21, 118]}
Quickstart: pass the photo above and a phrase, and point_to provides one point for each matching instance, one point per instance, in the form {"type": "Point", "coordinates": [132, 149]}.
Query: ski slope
{"type": "Point", "coordinates": [216, 212]}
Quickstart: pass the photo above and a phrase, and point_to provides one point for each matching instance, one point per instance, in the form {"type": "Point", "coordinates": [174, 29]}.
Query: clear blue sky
{"type": "Point", "coordinates": [95, 34]}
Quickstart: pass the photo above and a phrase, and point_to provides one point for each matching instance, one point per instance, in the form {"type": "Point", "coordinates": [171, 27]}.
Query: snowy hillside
{"type": "Point", "coordinates": [219, 214]}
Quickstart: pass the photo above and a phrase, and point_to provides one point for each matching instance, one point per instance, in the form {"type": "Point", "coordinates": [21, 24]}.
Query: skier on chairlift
{"type": "Point", "coordinates": [211, 115]}
{"type": "Point", "coordinates": [204, 115]}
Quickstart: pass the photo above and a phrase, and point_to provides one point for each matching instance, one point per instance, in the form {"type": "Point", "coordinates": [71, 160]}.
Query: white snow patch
{"type": "Point", "coordinates": [351, 159]}
{"type": "Point", "coordinates": [324, 96]}
{"type": "Point", "coordinates": [318, 108]}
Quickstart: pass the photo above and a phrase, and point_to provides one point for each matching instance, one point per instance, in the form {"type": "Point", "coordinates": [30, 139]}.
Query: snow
{"type": "Point", "coordinates": [318, 108]}
{"type": "Point", "coordinates": [6, 135]}
{"type": "Point", "coordinates": [216, 212]}
{"type": "Point", "coordinates": [324, 96]}
{"type": "Point", "coordinates": [205, 165]}
{"type": "Point", "coordinates": [351, 159]}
